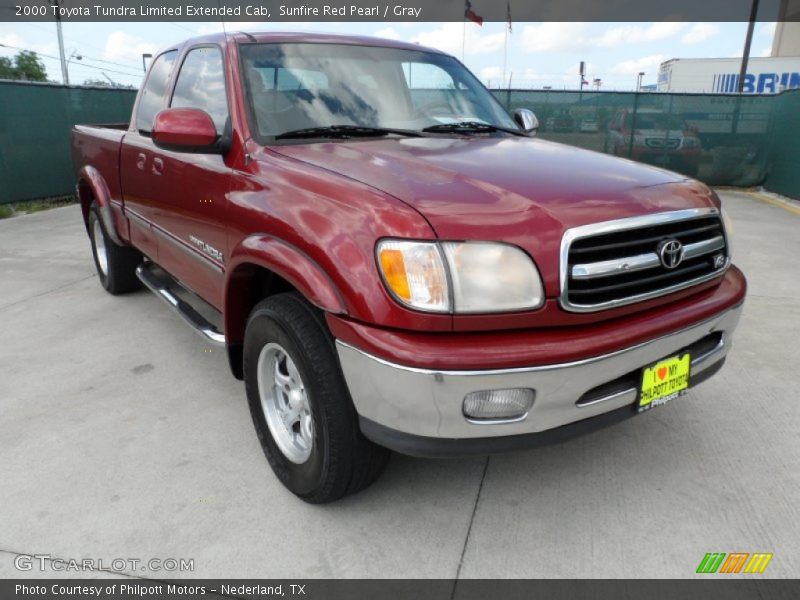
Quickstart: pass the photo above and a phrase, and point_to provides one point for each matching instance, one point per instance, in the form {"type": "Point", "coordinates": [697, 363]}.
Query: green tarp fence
{"type": "Point", "coordinates": [720, 139]}
{"type": "Point", "coordinates": [783, 158]}
{"type": "Point", "coordinates": [35, 124]}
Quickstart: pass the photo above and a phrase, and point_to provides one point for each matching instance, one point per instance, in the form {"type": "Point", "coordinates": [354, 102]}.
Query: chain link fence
{"type": "Point", "coordinates": [35, 124]}
{"type": "Point", "coordinates": [720, 139]}
{"type": "Point", "coordinates": [783, 156]}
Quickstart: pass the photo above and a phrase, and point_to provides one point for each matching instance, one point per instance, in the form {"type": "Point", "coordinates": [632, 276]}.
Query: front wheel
{"type": "Point", "coordinates": [300, 404]}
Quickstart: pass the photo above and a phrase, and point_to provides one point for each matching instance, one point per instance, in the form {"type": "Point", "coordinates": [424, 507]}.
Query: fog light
{"type": "Point", "coordinates": [498, 404]}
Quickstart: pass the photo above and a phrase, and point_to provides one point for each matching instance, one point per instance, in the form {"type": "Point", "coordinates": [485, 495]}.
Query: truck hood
{"type": "Point", "coordinates": [517, 190]}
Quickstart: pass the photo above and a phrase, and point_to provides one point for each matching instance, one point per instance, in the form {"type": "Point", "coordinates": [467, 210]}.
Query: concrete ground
{"type": "Point", "coordinates": [122, 436]}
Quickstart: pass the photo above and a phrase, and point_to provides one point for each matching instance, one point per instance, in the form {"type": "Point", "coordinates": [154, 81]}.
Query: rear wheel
{"type": "Point", "coordinates": [116, 265]}
{"type": "Point", "coordinates": [300, 405]}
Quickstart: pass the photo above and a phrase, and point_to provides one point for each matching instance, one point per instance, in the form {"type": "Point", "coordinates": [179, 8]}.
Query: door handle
{"type": "Point", "coordinates": [158, 166]}
{"type": "Point", "coordinates": [141, 160]}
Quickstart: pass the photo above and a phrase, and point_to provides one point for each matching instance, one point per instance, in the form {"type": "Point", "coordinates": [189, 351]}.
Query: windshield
{"type": "Point", "coordinates": [299, 86]}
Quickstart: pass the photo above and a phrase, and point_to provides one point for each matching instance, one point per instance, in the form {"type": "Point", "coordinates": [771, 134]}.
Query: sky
{"type": "Point", "coordinates": [538, 54]}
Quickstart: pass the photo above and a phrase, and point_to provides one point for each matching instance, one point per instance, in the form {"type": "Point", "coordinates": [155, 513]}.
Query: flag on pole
{"type": "Point", "coordinates": [471, 14]}
{"type": "Point", "coordinates": [508, 15]}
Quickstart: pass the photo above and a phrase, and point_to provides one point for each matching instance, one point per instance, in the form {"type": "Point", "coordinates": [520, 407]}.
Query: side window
{"type": "Point", "coordinates": [155, 91]}
{"type": "Point", "coordinates": [201, 84]}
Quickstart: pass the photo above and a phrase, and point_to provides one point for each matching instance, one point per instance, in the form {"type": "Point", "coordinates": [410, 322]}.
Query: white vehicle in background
{"type": "Point", "coordinates": [588, 126]}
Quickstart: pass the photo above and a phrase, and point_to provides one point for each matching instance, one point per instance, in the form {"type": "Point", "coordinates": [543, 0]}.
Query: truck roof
{"type": "Point", "coordinates": [281, 37]}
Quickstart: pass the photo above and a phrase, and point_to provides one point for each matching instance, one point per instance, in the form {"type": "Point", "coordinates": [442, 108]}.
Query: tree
{"type": "Point", "coordinates": [29, 66]}
{"type": "Point", "coordinates": [107, 84]}
{"type": "Point", "coordinates": [6, 68]}
{"type": "Point", "coordinates": [97, 83]}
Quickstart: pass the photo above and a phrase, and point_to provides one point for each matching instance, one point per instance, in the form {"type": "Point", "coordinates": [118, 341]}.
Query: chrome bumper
{"type": "Point", "coordinates": [428, 402]}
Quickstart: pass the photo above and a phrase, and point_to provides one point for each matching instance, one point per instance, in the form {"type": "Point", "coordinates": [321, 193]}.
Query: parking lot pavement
{"type": "Point", "coordinates": [122, 436]}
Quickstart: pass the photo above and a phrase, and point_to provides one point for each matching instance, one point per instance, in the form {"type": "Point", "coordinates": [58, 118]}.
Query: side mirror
{"type": "Point", "coordinates": [186, 130]}
{"type": "Point", "coordinates": [526, 120]}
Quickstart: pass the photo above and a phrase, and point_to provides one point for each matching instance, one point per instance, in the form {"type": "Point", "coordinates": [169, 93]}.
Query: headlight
{"type": "Point", "coordinates": [491, 277]}
{"type": "Point", "coordinates": [460, 277]}
{"type": "Point", "coordinates": [727, 225]}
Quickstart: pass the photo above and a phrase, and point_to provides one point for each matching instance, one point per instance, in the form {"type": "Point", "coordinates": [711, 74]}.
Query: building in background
{"type": "Point", "coordinates": [769, 75]}
{"type": "Point", "coordinates": [787, 31]}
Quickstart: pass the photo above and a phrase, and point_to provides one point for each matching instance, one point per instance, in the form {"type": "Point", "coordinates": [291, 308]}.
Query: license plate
{"type": "Point", "coordinates": [663, 381]}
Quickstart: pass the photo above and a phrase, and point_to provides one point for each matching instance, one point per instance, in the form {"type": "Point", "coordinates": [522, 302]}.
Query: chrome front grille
{"type": "Point", "coordinates": [630, 260]}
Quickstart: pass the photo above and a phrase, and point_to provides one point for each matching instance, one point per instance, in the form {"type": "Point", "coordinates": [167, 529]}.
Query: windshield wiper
{"type": "Point", "coordinates": [469, 127]}
{"type": "Point", "coordinates": [344, 131]}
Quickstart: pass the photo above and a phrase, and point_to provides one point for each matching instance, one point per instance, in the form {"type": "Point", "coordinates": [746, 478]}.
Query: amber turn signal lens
{"type": "Point", "coordinates": [414, 273]}
{"type": "Point", "coordinates": [394, 270]}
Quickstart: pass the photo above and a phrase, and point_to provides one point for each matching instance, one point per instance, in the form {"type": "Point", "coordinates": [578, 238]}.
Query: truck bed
{"type": "Point", "coordinates": [98, 146]}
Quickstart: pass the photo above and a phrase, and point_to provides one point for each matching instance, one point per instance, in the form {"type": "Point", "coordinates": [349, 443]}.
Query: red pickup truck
{"type": "Point", "coordinates": [392, 261]}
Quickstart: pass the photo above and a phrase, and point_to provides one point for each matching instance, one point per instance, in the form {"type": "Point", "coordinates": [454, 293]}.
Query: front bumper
{"type": "Point", "coordinates": [419, 411]}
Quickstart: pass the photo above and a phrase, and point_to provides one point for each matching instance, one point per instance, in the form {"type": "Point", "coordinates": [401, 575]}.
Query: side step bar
{"type": "Point", "coordinates": [194, 319]}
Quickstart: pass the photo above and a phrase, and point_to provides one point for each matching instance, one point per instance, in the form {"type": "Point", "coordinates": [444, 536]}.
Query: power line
{"type": "Point", "coordinates": [78, 68]}
{"type": "Point", "coordinates": [127, 64]}
{"type": "Point", "coordinates": [83, 56]}
{"type": "Point", "coordinates": [84, 65]}
{"type": "Point", "coordinates": [109, 62]}
{"type": "Point", "coordinates": [179, 26]}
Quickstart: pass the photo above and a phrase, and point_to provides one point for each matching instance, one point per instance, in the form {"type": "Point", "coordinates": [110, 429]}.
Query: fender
{"type": "Point", "coordinates": [284, 260]}
{"type": "Point", "coordinates": [92, 178]}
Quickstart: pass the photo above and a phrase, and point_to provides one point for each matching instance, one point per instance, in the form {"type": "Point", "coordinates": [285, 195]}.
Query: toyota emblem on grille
{"type": "Point", "coordinates": [670, 252]}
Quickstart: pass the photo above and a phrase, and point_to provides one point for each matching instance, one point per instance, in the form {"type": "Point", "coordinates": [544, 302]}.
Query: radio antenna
{"type": "Point", "coordinates": [222, 19]}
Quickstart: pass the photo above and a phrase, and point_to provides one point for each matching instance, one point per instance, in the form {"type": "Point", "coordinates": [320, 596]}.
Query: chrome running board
{"type": "Point", "coordinates": [187, 312]}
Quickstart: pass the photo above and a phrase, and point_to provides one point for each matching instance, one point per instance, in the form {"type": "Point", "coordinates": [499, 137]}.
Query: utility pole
{"type": "Point", "coordinates": [747, 41]}
{"type": "Point", "coordinates": [64, 74]}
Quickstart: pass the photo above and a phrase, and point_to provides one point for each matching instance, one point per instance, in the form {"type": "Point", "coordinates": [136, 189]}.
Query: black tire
{"type": "Point", "coordinates": [342, 461]}
{"type": "Point", "coordinates": [119, 274]}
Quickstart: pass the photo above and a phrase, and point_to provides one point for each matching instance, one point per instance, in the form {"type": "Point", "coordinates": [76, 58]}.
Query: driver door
{"type": "Point", "coordinates": [191, 191]}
